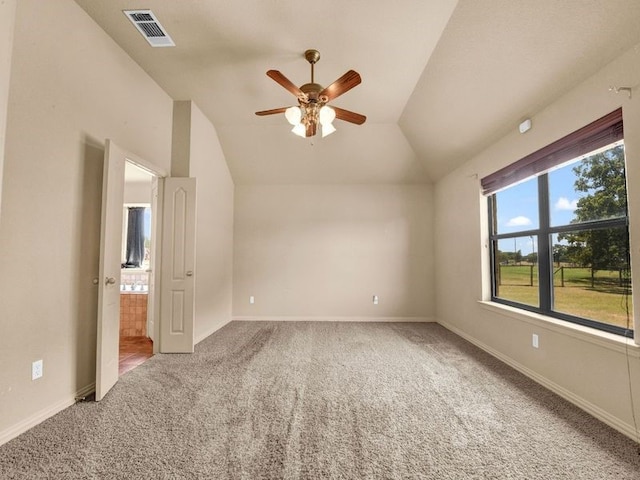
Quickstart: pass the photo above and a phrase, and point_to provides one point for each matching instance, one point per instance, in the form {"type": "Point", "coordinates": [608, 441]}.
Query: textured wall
{"type": "Point", "coordinates": [71, 87]}
{"type": "Point", "coordinates": [7, 19]}
{"type": "Point", "coordinates": [318, 251]}
{"type": "Point", "coordinates": [198, 154]}
{"type": "Point", "coordinates": [588, 367]}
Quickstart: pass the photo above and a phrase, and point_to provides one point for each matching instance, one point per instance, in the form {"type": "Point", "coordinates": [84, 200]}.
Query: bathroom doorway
{"type": "Point", "coordinates": [170, 323]}
{"type": "Point", "coordinates": [136, 331]}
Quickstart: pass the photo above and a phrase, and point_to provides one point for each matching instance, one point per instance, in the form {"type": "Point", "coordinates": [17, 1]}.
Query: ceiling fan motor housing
{"type": "Point", "coordinates": [312, 91]}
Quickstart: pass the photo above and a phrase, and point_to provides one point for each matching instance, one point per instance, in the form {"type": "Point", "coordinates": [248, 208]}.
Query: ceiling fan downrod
{"type": "Point", "coordinates": [312, 57]}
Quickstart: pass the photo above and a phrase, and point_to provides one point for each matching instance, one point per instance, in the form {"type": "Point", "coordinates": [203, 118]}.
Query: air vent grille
{"type": "Point", "coordinates": [152, 30]}
{"type": "Point", "coordinates": [149, 26]}
{"type": "Point", "coordinates": [142, 17]}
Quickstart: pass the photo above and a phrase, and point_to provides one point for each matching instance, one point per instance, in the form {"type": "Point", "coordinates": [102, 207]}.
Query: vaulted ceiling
{"type": "Point", "coordinates": [441, 79]}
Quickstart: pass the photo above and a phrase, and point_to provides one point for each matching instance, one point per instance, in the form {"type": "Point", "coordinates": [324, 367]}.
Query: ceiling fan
{"type": "Point", "coordinates": [312, 106]}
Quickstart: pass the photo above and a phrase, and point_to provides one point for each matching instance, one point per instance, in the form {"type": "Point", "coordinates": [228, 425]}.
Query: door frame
{"type": "Point", "coordinates": [166, 215]}
{"type": "Point", "coordinates": [158, 174]}
{"type": "Point", "coordinates": [104, 369]}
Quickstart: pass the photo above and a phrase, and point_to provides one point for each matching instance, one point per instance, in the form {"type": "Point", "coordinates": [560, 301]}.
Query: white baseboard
{"type": "Point", "coordinates": [39, 417]}
{"type": "Point", "coordinates": [599, 413]}
{"type": "Point", "coordinates": [258, 318]}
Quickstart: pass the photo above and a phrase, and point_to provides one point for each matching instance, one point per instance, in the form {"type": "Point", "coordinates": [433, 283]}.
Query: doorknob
{"type": "Point", "coordinates": [110, 281]}
{"type": "Point", "coordinates": [189, 273]}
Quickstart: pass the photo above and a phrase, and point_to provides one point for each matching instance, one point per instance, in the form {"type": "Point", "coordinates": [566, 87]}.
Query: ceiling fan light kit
{"type": "Point", "coordinates": [312, 109]}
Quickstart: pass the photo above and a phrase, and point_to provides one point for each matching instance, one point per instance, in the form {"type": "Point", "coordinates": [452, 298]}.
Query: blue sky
{"type": "Point", "coordinates": [518, 207]}
{"type": "Point", "coordinates": [518, 204]}
{"type": "Point", "coordinates": [147, 222]}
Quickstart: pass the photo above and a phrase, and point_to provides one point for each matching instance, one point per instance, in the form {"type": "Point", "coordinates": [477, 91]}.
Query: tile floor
{"type": "Point", "coordinates": [134, 351]}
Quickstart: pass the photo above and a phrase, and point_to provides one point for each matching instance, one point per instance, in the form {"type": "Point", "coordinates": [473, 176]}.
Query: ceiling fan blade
{"type": "Point", "coordinates": [349, 116]}
{"type": "Point", "coordinates": [345, 83]}
{"type": "Point", "coordinates": [273, 111]}
{"type": "Point", "coordinates": [285, 82]}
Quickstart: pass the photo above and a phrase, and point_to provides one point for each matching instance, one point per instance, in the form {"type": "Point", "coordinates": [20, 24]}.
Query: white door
{"type": "Point", "coordinates": [109, 276]}
{"type": "Point", "coordinates": [152, 311]}
{"type": "Point", "coordinates": [177, 278]}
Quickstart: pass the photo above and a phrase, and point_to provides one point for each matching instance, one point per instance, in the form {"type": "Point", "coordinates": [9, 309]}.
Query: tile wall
{"type": "Point", "coordinates": [133, 315]}
{"type": "Point", "coordinates": [135, 280]}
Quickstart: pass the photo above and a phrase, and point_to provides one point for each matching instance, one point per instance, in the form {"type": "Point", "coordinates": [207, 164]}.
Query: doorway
{"type": "Point", "coordinates": [135, 334]}
{"type": "Point", "coordinates": [170, 323]}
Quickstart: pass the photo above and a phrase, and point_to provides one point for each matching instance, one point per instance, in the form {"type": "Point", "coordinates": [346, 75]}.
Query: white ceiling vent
{"type": "Point", "coordinates": [150, 28]}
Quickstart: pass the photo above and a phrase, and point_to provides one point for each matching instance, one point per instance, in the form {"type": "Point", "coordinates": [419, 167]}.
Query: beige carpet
{"type": "Point", "coordinates": [271, 400]}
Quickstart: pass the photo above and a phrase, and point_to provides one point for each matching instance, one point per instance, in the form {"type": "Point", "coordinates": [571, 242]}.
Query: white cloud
{"type": "Point", "coordinates": [518, 221]}
{"type": "Point", "coordinates": [564, 203]}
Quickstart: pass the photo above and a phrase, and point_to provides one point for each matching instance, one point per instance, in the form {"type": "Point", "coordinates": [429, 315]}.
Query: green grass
{"type": "Point", "coordinates": [606, 301]}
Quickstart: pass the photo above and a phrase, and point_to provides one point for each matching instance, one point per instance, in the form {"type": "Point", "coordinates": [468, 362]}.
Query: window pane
{"type": "Point", "coordinates": [146, 233]}
{"type": "Point", "coordinates": [591, 276]}
{"type": "Point", "coordinates": [516, 270]}
{"type": "Point", "coordinates": [517, 207]}
{"type": "Point", "coordinates": [588, 189]}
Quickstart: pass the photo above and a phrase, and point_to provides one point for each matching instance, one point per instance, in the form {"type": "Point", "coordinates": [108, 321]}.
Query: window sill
{"type": "Point", "coordinates": [611, 341]}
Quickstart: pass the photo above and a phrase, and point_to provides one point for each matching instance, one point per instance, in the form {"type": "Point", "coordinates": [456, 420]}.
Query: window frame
{"type": "Point", "coordinates": [544, 235]}
{"type": "Point", "coordinates": [125, 226]}
{"type": "Point", "coordinates": [606, 130]}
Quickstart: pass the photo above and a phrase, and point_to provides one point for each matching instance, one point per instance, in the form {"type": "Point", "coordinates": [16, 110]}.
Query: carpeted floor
{"type": "Point", "coordinates": [271, 400]}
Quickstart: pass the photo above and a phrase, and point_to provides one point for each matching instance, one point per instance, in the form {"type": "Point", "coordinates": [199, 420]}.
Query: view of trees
{"type": "Point", "coordinates": [505, 258]}
{"type": "Point", "coordinates": [590, 279]}
{"type": "Point", "coordinates": [602, 177]}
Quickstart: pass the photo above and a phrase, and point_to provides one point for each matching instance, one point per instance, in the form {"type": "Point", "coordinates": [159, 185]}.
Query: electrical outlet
{"type": "Point", "coordinates": [252, 300]}
{"type": "Point", "coordinates": [375, 300]}
{"type": "Point", "coordinates": [36, 370]}
{"type": "Point", "coordinates": [534, 341]}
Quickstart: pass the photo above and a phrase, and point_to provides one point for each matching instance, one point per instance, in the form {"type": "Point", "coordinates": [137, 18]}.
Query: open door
{"type": "Point", "coordinates": [176, 219]}
{"type": "Point", "coordinates": [109, 276]}
{"type": "Point", "coordinates": [177, 278]}
{"type": "Point", "coordinates": [153, 306]}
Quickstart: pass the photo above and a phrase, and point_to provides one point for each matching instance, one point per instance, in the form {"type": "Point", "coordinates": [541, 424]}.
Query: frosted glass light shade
{"type": "Point", "coordinates": [300, 130]}
{"type": "Point", "coordinates": [327, 115]}
{"type": "Point", "coordinates": [327, 129]}
{"type": "Point", "coordinates": [293, 115]}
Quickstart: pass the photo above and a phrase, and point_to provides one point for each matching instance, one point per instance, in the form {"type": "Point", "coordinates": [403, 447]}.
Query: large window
{"type": "Point", "coordinates": [559, 230]}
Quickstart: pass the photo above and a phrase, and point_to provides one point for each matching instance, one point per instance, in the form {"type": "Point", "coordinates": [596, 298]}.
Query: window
{"type": "Point", "coordinates": [559, 230]}
{"type": "Point", "coordinates": [136, 236]}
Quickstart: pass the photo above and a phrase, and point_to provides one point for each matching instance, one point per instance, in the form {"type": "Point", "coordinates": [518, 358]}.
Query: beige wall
{"type": "Point", "coordinates": [137, 192]}
{"type": "Point", "coordinates": [7, 19]}
{"type": "Point", "coordinates": [214, 227]}
{"type": "Point", "coordinates": [588, 368]}
{"type": "Point", "coordinates": [318, 252]}
{"type": "Point", "coordinates": [197, 153]}
{"type": "Point", "coordinates": [71, 87]}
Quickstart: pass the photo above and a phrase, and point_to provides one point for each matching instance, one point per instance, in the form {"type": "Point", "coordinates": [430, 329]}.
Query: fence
{"type": "Point", "coordinates": [518, 275]}
{"type": "Point", "coordinates": [563, 276]}
{"type": "Point", "coordinates": [602, 275]}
